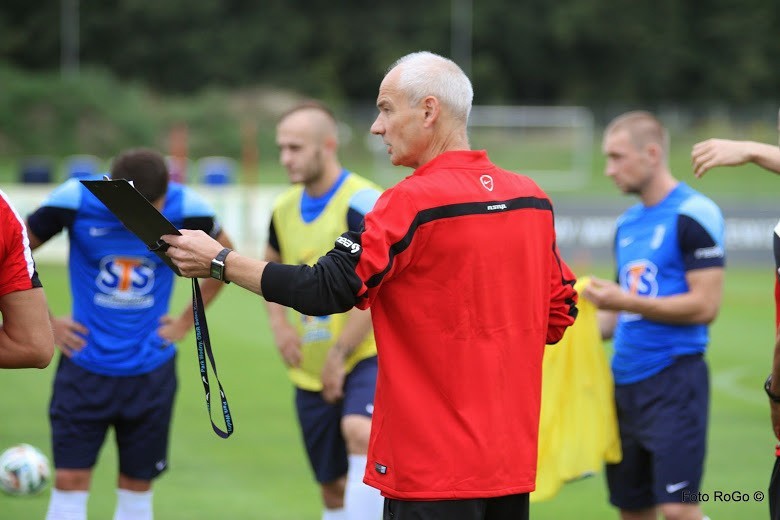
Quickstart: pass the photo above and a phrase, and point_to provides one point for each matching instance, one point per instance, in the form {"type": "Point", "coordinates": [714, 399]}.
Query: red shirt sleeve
{"type": "Point", "coordinates": [17, 272]}
{"type": "Point", "coordinates": [563, 298]}
{"type": "Point", "coordinates": [386, 235]}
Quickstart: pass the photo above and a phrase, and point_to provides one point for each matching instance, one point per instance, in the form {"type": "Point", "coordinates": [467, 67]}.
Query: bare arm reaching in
{"type": "Point", "coordinates": [725, 152]}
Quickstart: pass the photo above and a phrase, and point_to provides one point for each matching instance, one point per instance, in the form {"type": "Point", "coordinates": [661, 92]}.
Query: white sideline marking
{"type": "Point", "coordinates": [727, 383]}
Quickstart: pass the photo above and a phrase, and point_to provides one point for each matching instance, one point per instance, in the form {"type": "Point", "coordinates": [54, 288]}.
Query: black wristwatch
{"type": "Point", "coordinates": [775, 398]}
{"type": "Point", "coordinates": [218, 265]}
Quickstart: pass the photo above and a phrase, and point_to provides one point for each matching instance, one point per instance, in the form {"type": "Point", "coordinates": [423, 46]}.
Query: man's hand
{"type": "Point", "coordinates": [173, 330]}
{"type": "Point", "coordinates": [333, 374]}
{"type": "Point", "coordinates": [69, 335]}
{"type": "Point", "coordinates": [605, 294]}
{"type": "Point", "coordinates": [192, 252]}
{"type": "Point", "coordinates": [288, 343]}
{"type": "Point", "coordinates": [718, 152]}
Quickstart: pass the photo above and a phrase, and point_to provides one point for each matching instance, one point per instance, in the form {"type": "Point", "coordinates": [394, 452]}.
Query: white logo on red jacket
{"type": "Point", "coordinates": [487, 182]}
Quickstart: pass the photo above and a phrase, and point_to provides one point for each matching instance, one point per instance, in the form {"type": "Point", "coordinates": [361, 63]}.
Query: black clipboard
{"type": "Point", "coordinates": [136, 213]}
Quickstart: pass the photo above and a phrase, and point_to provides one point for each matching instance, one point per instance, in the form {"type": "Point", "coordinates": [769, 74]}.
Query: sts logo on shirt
{"type": "Point", "coordinates": [639, 277]}
{"type": "Point", "coordinates": [125, 282]}
{"type": "Point", "coordinates": [315, 328]}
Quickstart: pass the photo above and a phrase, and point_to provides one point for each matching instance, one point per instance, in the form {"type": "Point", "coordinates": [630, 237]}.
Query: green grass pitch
{"type": "Point", "coordinates": [261, 471]}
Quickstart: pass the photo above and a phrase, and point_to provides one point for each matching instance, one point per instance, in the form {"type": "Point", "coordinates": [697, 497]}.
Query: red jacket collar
{"type": "Point", "coordinates": [461, 159]}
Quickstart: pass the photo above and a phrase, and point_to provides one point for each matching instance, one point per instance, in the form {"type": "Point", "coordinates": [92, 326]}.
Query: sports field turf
{"type": "Point", "coordinates": [261, 473]}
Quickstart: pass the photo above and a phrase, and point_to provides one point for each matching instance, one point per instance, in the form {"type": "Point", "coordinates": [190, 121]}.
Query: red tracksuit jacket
{"type": "Point", "coordinates": [459, 265]}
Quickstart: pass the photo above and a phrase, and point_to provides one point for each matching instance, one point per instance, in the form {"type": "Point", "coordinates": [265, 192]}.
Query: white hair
{"type": "Point", "coordinates": [427, 74]}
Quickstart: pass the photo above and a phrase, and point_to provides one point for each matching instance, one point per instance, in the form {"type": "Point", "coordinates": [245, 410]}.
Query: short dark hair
{"type": "Point", "coordinates": [145, 168]}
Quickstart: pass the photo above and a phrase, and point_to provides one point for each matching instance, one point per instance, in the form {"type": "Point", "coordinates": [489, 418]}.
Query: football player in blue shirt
{"type": "Point", "coordinates": [670, 260]}
{"type": "Point", "coordinates": [118, 362]}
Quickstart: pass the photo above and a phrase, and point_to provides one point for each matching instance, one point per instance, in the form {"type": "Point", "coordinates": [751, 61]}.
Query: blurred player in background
{"type": "Point", "coordinates": [670, 257]}
{"type": "Point", "coordinates": [726, 152]}
{"type": "Point", "coordinates": [117, 366]}
{"type": "Point", "coordinates": [330, 359]}
{"type": "Point", "coordinates": [459, 265]}
{"type": "Point", "coordinates": [26, 339]}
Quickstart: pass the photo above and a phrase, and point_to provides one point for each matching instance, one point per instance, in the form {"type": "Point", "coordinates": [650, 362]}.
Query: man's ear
{"type": "Point", "coordinates": [331, 143]}
{"type": "Point", "coordinates": [432, 110]}
{"type": "Point", "coordinates": [655, 152]}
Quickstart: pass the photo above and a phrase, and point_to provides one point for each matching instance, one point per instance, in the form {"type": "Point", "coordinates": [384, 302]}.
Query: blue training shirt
{"type": "Point", "coordinates": [120, 290]}
{"type": "Point", "coordinates": [654, 248]}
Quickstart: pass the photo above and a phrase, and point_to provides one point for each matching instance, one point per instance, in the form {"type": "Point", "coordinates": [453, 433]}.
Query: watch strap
{"type": "Point", "coordinates": [222, 255]}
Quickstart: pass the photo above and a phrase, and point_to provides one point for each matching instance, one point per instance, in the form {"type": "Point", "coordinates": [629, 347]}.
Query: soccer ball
{"type": "Point", "coordinates": [24, 470]}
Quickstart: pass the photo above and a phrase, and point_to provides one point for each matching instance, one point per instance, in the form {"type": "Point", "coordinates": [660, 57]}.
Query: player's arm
{"type": "Point", "coordinates": [700, 239]}
{"type": "Point", "coordinates": [725, 152]}
{"type": "Point", "coordinates": [703, 258]}
{"type": "Point", "coordinates": [26, 338]}
{"type": "Point", "coordinates": [700, 304]}
{"type": "Point", "coordinates": [56, 214]}
{"type": "Point", "coordinates": [68, 334]}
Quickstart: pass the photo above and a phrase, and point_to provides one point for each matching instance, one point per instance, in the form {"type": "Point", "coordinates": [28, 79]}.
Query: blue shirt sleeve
{"type": "Point", "coordinates": [57, 211]}
{"type": "Point", "coordinates": [67, 195]}
{"type": "Point", "coordinates": [361, 203]}
{"type": "Point", "coordinates": [698, 248]}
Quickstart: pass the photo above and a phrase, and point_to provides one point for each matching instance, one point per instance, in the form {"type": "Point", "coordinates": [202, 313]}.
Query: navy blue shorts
{"type": "Point", "coordinates": [84, 405]}
{"type": "Point", "coordinates": [320, 421]}
{"type": "Point", "coordinates": [663, 431]}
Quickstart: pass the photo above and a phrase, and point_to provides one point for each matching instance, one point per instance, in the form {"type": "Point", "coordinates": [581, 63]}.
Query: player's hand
{"type": "Point", "coordinates": [332, 376]}
{"type": "Point", "coordinates": [604, 294]}
{"type": "Point", "coordinates": [717, 152]}
{"type": "Point", "coordinates": [68, 335]}
{"type": "Point", "coordinates": [288, 343]}
{"type": "Point", "coordinates": [172, 330]}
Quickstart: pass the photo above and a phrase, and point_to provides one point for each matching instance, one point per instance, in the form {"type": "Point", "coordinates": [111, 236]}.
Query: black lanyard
{"type": "Point", "coordinates": [204, 345]}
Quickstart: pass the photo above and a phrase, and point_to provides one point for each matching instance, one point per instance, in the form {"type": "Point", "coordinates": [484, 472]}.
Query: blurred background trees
{"type": "Point", "coordinates": [156, 60]}
{"type": "Point", "coordinates": [568, 51]}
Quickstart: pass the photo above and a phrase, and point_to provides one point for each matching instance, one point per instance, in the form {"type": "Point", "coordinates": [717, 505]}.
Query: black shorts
{"type": "Point", "coordinates": [84, 405]}
{"type": "Point", "coordinates": [663, 434]}
{"type": "Point", "coordinates": [509, 507]}
{"type": "Point", "coordinates": [320, 421]}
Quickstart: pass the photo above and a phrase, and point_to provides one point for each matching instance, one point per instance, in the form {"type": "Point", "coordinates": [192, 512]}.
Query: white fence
{"type": "Point", "coordinates": [584, 227]}
{"type": "Point", "coordinates": [243, 211]}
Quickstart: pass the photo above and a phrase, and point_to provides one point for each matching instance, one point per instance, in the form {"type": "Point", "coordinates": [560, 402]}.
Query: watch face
{"type": "Point", "coordinates": [217, 268]}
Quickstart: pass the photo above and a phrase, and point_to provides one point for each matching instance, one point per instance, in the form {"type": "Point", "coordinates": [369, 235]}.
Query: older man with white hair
{"type": "Point", "coordinates": [459, 265]}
